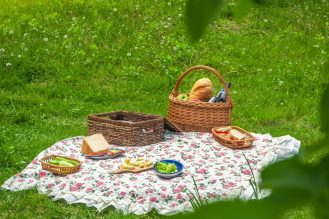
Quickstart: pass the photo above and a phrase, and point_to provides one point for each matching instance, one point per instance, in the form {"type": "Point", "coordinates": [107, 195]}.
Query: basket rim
{"type": "Point", "coordinates": [231, 145]}
{"type": "Point", "coordinates": [148, 118]}
{"type": "Point", "coordinates": [43, 161]}
{"type": "Point", "coordinates": [234, 127]}
{"type": "Point", "coordinates": [231, 141]}
{"type": "Point", "coordinates": [200, 104]}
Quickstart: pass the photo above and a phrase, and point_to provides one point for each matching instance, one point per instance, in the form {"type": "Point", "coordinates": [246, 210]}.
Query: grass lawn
{"type": "Point", "coordinates": [62, 60]}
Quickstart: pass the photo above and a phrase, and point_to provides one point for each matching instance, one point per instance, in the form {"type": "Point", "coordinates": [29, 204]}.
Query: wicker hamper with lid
{"type": "Point", "coordinates": [199, 116]}
{"type": "Point", "coordinates": [129, 128]}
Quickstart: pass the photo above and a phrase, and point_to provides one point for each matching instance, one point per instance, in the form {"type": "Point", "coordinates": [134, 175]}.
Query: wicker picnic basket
{"type": "Point", "coordinates": [59, 169]}
{"type": "Point", "coordinates": [199, 116]}
{"type": "Point", "coordinates": [129, 128]}
{"type": "Point", "coordinates": [234, 144]}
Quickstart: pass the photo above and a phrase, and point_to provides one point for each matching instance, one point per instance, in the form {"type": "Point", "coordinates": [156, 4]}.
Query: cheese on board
{"type": "Point", "coordinates": [95, 145]}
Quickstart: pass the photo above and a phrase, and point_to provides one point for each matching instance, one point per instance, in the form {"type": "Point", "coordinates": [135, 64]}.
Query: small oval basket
{"type": "Point", "coordinates": [234, 144]}
{"type": "Point", "coordinates": [199, 116]}
{"type": "Point", "coordinates": [59, 169]}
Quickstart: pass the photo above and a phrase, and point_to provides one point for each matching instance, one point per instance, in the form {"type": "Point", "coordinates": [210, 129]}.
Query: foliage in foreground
{"type": "Point", "coordinates": [293, 182]}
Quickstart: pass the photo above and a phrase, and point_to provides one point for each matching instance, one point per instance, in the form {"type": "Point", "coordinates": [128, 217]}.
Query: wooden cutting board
{"type": "Point", "coordinates": [135, 170]}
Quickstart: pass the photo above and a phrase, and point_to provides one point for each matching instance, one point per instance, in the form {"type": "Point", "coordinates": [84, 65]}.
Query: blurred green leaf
{"type": "Point", "coordinates": [322, 146]}
{"type": "Point", "coordinates": [324, 112]}
{"type": "Point", "coordinates": [199, 14]}
{"type": "Point", "coordinates": [293, 174]}
{"type": "Point", "coordinates": [243, 7]}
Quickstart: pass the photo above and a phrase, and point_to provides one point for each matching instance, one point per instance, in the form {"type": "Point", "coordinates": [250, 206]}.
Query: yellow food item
{"type": "Point", "coordinates": [141, 165]}
{"type": "Point", "coordinates": [125, 166]}
{"type": "Point", "coordinates": [139, 159]}
{"type": "Point", "coordinates": [95, 145]}
{"type": "Point", "coordinates": [131, 167]}
{"type": "Point", "coordinates": [148, 163]}
{"type": "Point", "coordinates": [202, 90]}
{"type": "Point", "coordinates": [127, 160]}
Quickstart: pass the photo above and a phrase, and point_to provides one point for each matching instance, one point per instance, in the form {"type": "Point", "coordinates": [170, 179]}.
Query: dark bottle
{"type": "Point", "coordinates": [221, 96]}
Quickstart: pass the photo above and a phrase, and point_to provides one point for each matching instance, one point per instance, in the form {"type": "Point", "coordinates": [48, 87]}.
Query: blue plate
{"type": "Point", "coordinates": [178, 164]}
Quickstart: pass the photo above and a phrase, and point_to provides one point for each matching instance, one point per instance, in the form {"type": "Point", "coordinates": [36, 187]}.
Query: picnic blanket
{"type": "Point", "coordinates": [219, 172]}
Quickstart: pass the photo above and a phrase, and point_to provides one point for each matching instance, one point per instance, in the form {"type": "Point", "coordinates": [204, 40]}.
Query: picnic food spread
{"type": "Point", "coordinates": [118, 129]}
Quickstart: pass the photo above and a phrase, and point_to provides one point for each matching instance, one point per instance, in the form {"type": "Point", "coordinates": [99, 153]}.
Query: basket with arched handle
{"type": "Point", "coordinates": [199, 116]}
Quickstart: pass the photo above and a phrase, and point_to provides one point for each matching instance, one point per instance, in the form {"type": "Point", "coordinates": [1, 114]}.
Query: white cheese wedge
{"type": "Point", "coordinates": [95, 145]}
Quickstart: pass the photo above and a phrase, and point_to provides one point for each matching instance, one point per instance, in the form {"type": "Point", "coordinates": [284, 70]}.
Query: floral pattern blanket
{"type": "Point", "coordinates": [219, 172]}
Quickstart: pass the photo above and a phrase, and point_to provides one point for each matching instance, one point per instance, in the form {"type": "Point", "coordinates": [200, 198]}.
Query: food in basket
{"type": "Point", "coordinates": [64, 162]}
{"type": "Point", "coordinates": [183, 97]}
{"type": "Point", "coordinates": [202, 90]}
{"type": "Point", "coordinates": [223, 130]}
{"type": "Point", "coordinates": [95, 145]}
{"type": "Point", "coordinates": [236, 135]}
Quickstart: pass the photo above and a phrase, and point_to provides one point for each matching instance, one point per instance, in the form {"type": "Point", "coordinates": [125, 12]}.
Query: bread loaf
{"type": "Point", "coordinates": [201, 90]}
{"type": "Point", "coordinates": [236, 135]}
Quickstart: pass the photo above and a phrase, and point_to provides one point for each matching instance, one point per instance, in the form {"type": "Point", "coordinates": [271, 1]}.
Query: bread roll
{"type": "Point", "coordinates": [201, 90]}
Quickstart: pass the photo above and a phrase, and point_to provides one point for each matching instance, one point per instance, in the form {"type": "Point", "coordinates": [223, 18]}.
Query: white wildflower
{"type": "Point", "coordinates": [45, 39]}
{"type": "Point", "coordinates": [2, 50]}
{"type": "Point", "coordinates": [115, 10]}
{"type": "Point", "coordinates": [19, 56]}
{"type": "Point", "coordinates": [128, 54]}
{"type": "Point", "coordinates": [180, 15]}
{"type": "Point", "coordinates": [11, 32]}
{"type": "Point", "coordinates": [316, 46]}
{"type": "Point", "coordinates": [65, 36]}
{"type": "Point", "coordinates": [8, 64]}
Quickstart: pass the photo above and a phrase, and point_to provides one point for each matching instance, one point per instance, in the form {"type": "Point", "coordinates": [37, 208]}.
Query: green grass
{"type": "Point", "coordinates": [62, 60]}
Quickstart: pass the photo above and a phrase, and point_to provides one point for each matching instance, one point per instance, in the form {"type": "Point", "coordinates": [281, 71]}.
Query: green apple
{"type": "Point", "coordinates": [183, 97]}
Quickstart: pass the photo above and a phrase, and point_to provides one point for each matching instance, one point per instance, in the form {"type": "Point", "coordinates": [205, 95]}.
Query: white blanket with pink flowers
{"type": "Point", "coordinates": [220, 173]}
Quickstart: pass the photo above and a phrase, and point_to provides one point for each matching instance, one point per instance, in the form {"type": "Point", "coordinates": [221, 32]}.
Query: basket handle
{"type": "Point", "coordinates": [175, 90]}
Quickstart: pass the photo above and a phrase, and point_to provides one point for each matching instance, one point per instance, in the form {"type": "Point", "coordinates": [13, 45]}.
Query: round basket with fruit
{"type": "Point", "coordinates": [60, 165]}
